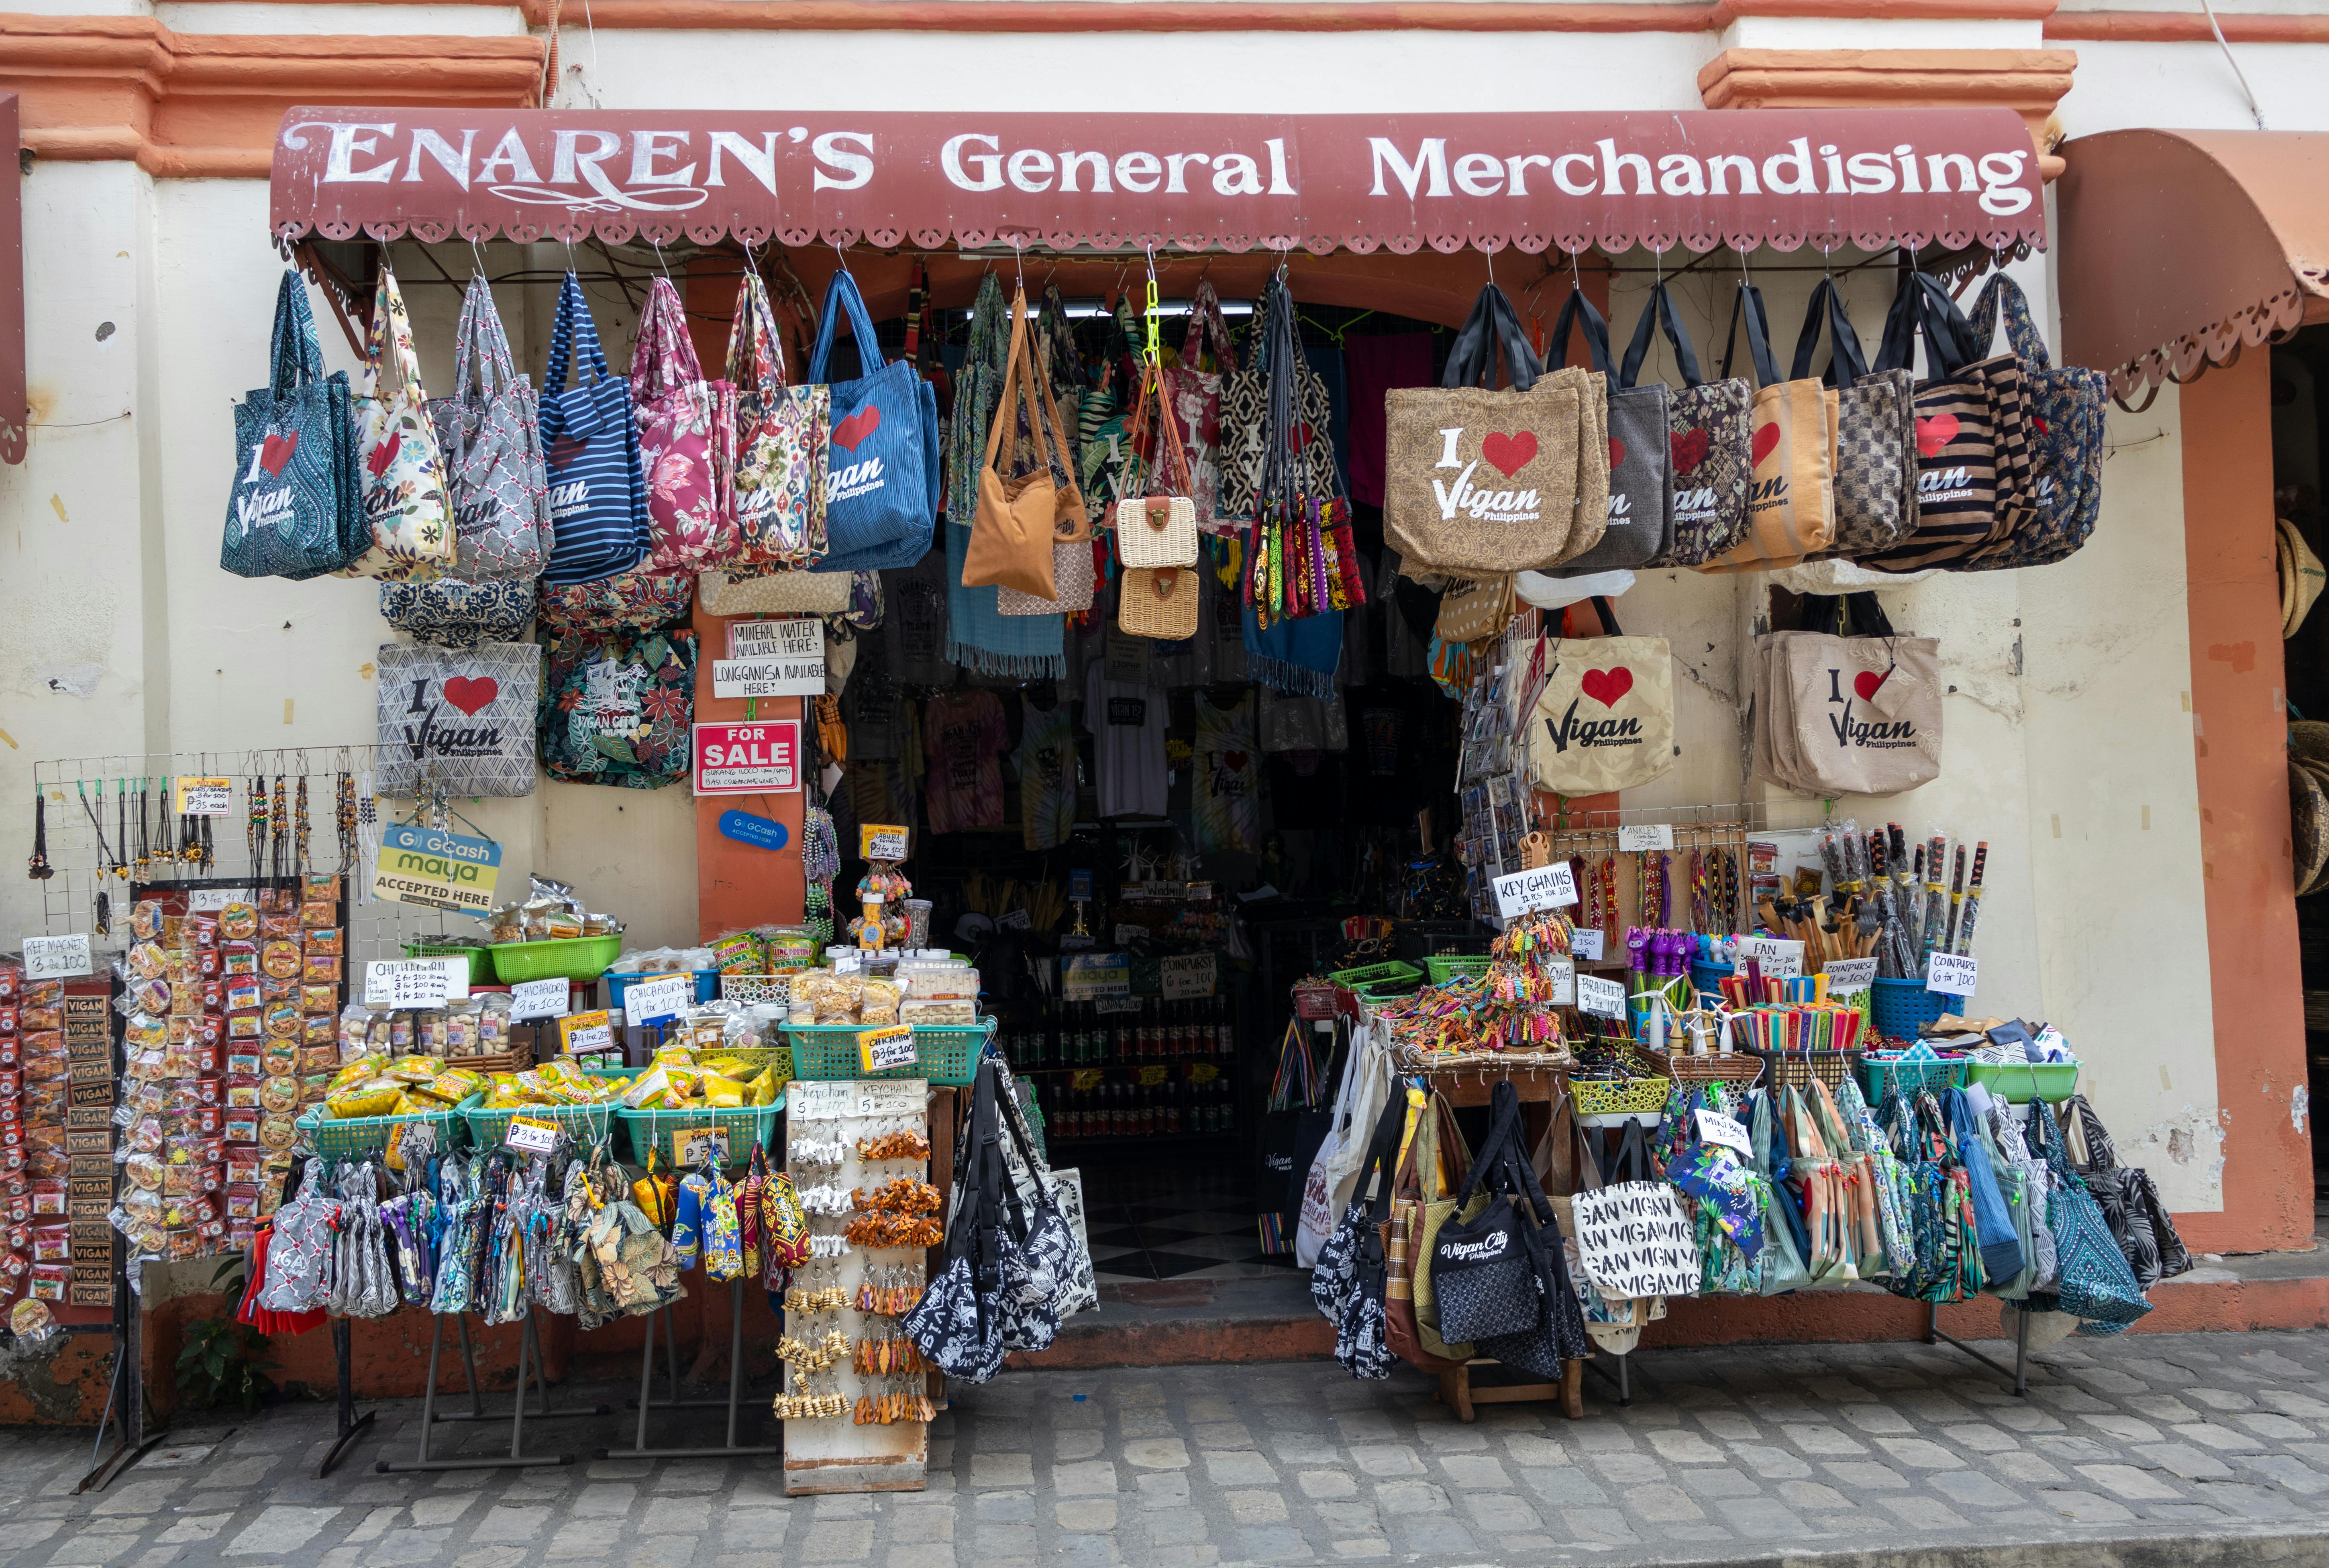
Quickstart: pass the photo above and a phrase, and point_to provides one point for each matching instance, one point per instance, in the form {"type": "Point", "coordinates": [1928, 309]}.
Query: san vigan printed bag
{"type": "Point", "coordinates": [1708, 456]}
{"type": "Point", "coordinates": [1478, 483]}
{"type": "Point", "coordinates": [1791, 496]}
{"type": "Point", "coordinates": [1875, 432]}
{"type": "Point", "coordinates": [782, 434]}
{"type": "Point", "coordinates": [881, 468]}
{"type": "Point", "coordinates": [1605, 718]}
{"type": "Point", "coordinates": [456, 723]}
{"type": "Point", "coordinates": [1641, 501]}
{"type": "Point", "coordinates": [2066, 437]}
{"type": "Point", "coordinates": [403, 478]}
{"type": "Point", "coordinates": [297, 510]}
{"type": "Point", "coordinates": [490, 433]}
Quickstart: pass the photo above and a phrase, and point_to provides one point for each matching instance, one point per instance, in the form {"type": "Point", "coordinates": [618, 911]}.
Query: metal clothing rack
{"type": "Point", "coordinates": [529, 1356]}
{"type": "Point", "coordinates": [675, 1400]}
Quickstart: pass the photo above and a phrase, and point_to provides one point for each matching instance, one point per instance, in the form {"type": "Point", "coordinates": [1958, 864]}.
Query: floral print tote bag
{"type": "Point", "coordinates": [687, 439]}
{"type": "Point", "coordinates": [403, 478]}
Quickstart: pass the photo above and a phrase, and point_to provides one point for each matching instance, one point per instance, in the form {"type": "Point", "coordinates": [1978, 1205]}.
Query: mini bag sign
{"type": "Point", "coordinates": [1791, 496]}
{"type": "Point", "coordinates": [1478, 483]}
{"type": "Point", "coordinates": [490, 432]}
{"type": "Point", "coordinates": [1020, 516]}
{"type": "Point", "coordinates": [1640, 525]}
{"type": "Point", "coordinates": [297, 509]}
{"type": "Point", "coordinates": [1709, 457]}
{"type": "Point", "coordinates": [404, 492]}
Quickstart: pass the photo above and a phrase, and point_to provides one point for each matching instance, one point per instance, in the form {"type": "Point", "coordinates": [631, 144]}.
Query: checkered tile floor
{"type": "Point", "coordinates": [1147, 1220]}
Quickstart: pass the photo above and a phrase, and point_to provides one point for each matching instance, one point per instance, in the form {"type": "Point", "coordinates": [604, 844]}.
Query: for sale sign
{"type": "Point", "coordinates": [747, 759]}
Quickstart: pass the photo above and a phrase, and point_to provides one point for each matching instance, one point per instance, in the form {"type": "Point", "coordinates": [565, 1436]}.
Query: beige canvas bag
{"type": "Point", "coordinates": [1792, 432]}
{"type": "Point", "coordinates": [1605, 719]}
{"type": "Point", "coordinates": [1866, 712]}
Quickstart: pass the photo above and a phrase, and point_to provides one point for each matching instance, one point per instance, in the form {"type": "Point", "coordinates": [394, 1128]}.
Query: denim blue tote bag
{"type": "Point", "coordinates": [297, 510]}
{"type": "Point", "coordinates": [590, 450]}
{"type": "Point", "coordinates": [881, 475]}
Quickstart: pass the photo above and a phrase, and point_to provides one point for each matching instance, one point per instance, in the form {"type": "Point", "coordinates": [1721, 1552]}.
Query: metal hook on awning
{"type": "Point", "coordinates": [661, 265]}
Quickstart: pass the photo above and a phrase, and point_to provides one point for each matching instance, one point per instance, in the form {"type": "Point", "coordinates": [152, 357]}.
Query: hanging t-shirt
{"type": "Point", "coordinates": [1228, 814]}
{"type": "Point", "coordinates": [1046, 761]}
{"type": "Point", "coordinates": [1128, 728]}
{"type": "Point", "coordinates": [964, 735]}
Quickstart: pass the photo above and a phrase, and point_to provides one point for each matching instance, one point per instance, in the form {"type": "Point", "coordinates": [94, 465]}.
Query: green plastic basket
{"type": "Point", "coordinates": [351, 1136]}
{"type": "Point", "coordinates": [567, 959]}
{"type": "Point", "coordinates": [943, 1053]}
{"type": "Point", "coordinates": [1445, 967]}
{"type": "Point", "coordinates": [583, 1123]}
{"type": "Point", "coordinates": [2019, 1083]}
{"type": "Point", "coordinates": [1384, 980]}
{"type": "Point", "coordinates": [1617, 1096]}
{"type": "Point", "coordinates": [745, 1126]}
{"type": "Point", "coordinates": [481, 960]}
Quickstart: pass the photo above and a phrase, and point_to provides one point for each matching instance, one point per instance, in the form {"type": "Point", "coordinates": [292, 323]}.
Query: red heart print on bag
{"type": "Point", "coordinates": [382, 455]}
{"type": "Point", "coordinates": [1866, 682]}
{"type": "Point", "coordinates": [857, 427]}
{"type": "Point", "coordinates": [1690, 449]}
{"type": "Point", "coordinates": [1935, 433]}
{"type": "Point", "coordinates": [276, 450]}
{"type": "Point", "coordinates": [566, 449]}
{"type": "Point", "coordinates": [1236, 761]}
{"type": "Point", "coordinates": [1765, 437]}
{"type": "Point", "coordinates": [1616, 452]}
{"type": "Point", "coordinates": [469, 693]}
{"type": "Point", "coordinates": [1508, 454]}
{"type": "Point", "coordinates": [1606, 686]}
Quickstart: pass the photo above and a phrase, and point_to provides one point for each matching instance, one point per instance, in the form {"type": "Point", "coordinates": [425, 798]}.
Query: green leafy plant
{"type": "Point", "coordinates": [221, 1360]}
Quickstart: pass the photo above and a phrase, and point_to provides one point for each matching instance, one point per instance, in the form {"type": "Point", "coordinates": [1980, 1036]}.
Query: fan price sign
{"type": "Point", "coordinates": [754, 758]}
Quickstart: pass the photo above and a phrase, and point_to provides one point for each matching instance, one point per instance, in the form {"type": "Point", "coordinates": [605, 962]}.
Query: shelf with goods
{"type": "Point", "coordinates": [1137, 1101]}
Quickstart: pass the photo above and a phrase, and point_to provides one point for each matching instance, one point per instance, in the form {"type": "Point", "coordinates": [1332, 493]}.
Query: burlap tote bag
{"type": "Point", "coordinates": [1020, 516]}
{"type": "Point", "coordinates": [1791, 495]}
{"type": "Point", "coordinates": [1469, 611]}
{"type": "Point", "coordinates": [1639, 518]}
{"type": "Point", "coordinates": [1605, 718]}
{"type": "Point", "coordinates": [1418, 1179]}
{"type": "Point", "coordinates": [1866, 712]}
{"type": "Point", "coordinates": [1875, 432]}
{"type": "Point", "coordinates": [1708, 453]}
{"type": "Point", "coordinates": [1478, 483]}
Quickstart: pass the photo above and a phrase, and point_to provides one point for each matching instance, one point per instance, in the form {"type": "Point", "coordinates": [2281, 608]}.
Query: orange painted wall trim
{"type": "Point", "coordinates": [1258, 15]}
{"type": "Point", "coordinates": [197, 105]}
{"type": "Point", "coordinates": [2029, 81]}
{"type": "Point", "coordinates": [2178, 27]}
{"type": "Point", "coordinates": [2241, 744]}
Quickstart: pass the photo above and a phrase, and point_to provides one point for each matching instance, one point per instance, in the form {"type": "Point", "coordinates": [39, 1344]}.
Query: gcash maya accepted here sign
{"type": "Point", "coordinates": [747, 759]}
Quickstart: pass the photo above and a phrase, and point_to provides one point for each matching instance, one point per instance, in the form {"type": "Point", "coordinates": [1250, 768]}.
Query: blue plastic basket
{"type": "Point", "coordinates": [1708, 977]}
{"type": "Point", "coordinates": [1901, 1008]}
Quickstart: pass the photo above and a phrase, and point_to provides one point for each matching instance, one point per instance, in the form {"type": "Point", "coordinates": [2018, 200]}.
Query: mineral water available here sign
{"type": "Point", "coordinates": [754, 759]}
{"type": "Point", "coordinates": [772, 658]}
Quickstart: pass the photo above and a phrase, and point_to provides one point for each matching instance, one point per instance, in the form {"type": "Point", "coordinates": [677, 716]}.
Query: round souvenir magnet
{"type": "Point", "coordinates": [280, 960]}
{"type": "Point", "coordinates": [238, 921]}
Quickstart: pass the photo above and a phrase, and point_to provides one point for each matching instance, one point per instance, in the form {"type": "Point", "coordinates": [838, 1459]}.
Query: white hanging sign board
{"type": "Point", "coordinates": [1727, 1130]}
{"type": "Point", "coordinates": [1601, 998]}
{"type": "Point", "coordinates": [1540, 887]}
{"type": "Point", "coordinates": [1585, 944]}
{"type": "Point", "coordinates": [665, 997]}
{"type": "Point", "coordinates": [1849, 977]}
{"type": "Point", "coordinates": [56, 958]}
{"type": "Point", "coordinates": [1951, 974]}
{"type": "Point", "coordinates": [415, 982]}
{"type": "Point", "coordinates": [539, 999]}
{"type": "Point", "coordinates": [1647, 836]}
{"type": "Point", "coordinates": [1187, 976]}
{"type": "Point", "coordinates": [772, 658]}
{"type": "Point", "coordinates": [1778, 957]}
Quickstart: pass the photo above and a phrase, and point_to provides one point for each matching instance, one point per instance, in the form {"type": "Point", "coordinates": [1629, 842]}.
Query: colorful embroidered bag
{"type": "Point", "coordinates": [404, 495]}
{"type": "Point", "coordinates": [782, 433]}
{"type": "Point", "coordinates": [687, 439]}
{"type": "Point", "coordinates": [1708, 456]}
{"type": "Point", "coordinates": [619, 710]}
{"type": "Point", "coordinates": [490, 431]}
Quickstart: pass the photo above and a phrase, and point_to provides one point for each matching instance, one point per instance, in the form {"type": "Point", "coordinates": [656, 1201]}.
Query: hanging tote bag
{"type": "Point", "coordinates": [1244, 447]}
{"type": "Point", "coordinates": [403, 478]}
{"type": "Point", "coordinates": [296, 508]}
{"type": "Point", "coordinates": [490, 432]}
{"type": "Point", "coordinates": [619, 709]}
{"type": "Point", "coordinates": [1507, 490]}
{"type": "Point", "coordinates": [782, 435]}
{"type": "Point", "coordinates": [1482, 1275]}
{"type": "Point", "coordinates": [1875, 432]}
{"type": "Point", "coordinates": [1351, 1280]}
{"type": "Point", "coordinates": [451, 613]}
{"type": "Point", "coordinates": [1973, 458]}
{"type": "Point", "coordinates": [1865, 713]}
{"type": "Point", "coordinates": [687, 439]}
{"type": "Point", "coordinates": [1074, 580]}
{"type": "Point", "coordinates": [629, 602]}
{"type": "Point", "coordinates": [1159, 602]}
{"type": "Point", "coordinates": [881, 480]}
{"type": "Point", "coordinates": [1193, 396]}
{"type": "Point", "coordinates": [1020, 516]}
{"type": "Point", "coordinates": [1159, 528]}
{"type": "Point", "coordinates": [2066, 437]}
{"type": "Point", "coordinates": [1708, 455]}
{"type": "Point", "coordinates": [1365, 1084]}
{"type": "Point", "coordinates": [1640, 526]}
{"type": "Point", "coordinates": [456, 723]}
{"type": "Point", "coordinates": [1433, 1172]}
{"type": "Point", "coordinates": [1605, 718]}
{"type": "Point", "coordinates": [1791, 496]}
{"type": "Point", "coordinates": [591, 451]}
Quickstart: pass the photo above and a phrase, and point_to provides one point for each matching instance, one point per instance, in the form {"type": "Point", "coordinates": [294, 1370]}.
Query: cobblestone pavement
{"type": "Point", "coordinates": [2150, 1448]}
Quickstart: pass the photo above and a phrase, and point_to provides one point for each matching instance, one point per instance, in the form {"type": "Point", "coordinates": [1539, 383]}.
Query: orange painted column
{"type": "Point", "coordinates": [2240, 739]}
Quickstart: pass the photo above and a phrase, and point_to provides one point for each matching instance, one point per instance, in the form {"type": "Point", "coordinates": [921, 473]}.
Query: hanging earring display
{"type": "Point", "coordinates": [343, 817]}
{"type": "Point", "coordinates": [299, 829]}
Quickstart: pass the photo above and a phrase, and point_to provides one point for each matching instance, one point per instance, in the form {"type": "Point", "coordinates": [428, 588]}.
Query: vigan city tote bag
{"type": "Point", "coordinates": [882, 476]}
{"type": "Point", "coordinates": [490, 432]}
{"type": "Point", "coordinates": [1791, 495]}
{"type": "Point", "coordinates": [1876, 432]}
{"type": "Point", "coordinates": [295, 510]}
{"type": "Point", "coordinates": [590, 445]}
{"type": "Point", "coordinates": [1708, 457]}
{"type": "Point", "coordinates": [403, 477]}
{"type": "Point", "coordinates": [1641, 502]}
{"type": "Point", "coordinates": [1605, 718]}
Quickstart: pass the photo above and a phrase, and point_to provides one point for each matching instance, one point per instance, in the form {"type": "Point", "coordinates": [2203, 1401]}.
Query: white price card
{"type": "Point", "coordinates": [1727, 1130]}
{"type": "Point", "coordinates": [415, 982]}
{"type": "Point", "coordinates": [56, 958]}
{"type": "Point", "coordinates": [1647, 836]}
{"type": "Point", "coordinates": [1778, 957]}
{"type": "Point", "coordinates": [1601, 998]}
{"type": "Point", "coordinates": [211, 900]}
{"type": "Point", "coordinates": [1187, 976]}
{"type": "Point", "coordinates": [692, 1146]}
{"type": "Point", "coordinates": [819, 1101]}
{"type": "Point", "coordinates": [665, 997]}
{"type": "Point", "coordinates": [1562, 974]}
{"type": "Point", "coordinates": [848, 963]}
{"type": "Point", "coordinates": [533, 1137]}
{"type": "Point", "coordinates": [1849, 977]}
{"type": "Point", "coordinates": [586, 1034]}
{"type": "Point", "coordinates": [1538, 887]}
{"type": "Point", "coordinates": [1951, 974]}
{"type": "Point", "coordinates": [1015, 919]}
{"type": "Point", "coordinates": [539, 999]}
{"type": "Point", "coordinates": [772, 658]}
{"type": "Point", "coordinates": [205, 797]}
{"type": "Point", "coordinates": [1126, 935]}
{"type": "Point", "coordinates": [1585, 944]}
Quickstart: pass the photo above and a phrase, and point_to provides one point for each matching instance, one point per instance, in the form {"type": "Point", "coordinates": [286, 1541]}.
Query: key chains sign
{"type": "Point", "coordinates": [1537, 887]}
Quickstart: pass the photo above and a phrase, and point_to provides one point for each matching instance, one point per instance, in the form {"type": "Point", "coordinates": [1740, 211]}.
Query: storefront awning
{"type": "Point", "coordinates": [2179, 247]}
{"type": "Point", "coordinates": [1120, 181]}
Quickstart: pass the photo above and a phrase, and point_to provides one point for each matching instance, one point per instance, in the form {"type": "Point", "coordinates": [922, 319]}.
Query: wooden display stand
{"type": "Point", "coordinates": [1471, 1086]}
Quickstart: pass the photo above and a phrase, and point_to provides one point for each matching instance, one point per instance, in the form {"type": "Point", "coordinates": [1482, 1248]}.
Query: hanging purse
{"type": "Point", "coordinates": [1020, 517]}
{"type": "Point", "coordinates": [627, 602]}
{"type": "Point", "coordinates": [1074, 581]}
{"type": "Point", "coordinates": [1471, 612]}
{"type": "Point", "coordinates": [1159, 528]}
{"type": "Point", "coordinates": [1349, 1282]}
{"type": "Point", "coordinates": [1709, 459]}
{"type": "Point", "coordinates": [1791, 500]}
{"type": "Point", "coordinates": [782, 435]}
{"type": "Point", "coordinates": [404, 494]}
{"type": "Point", "coordinates": [490, 433]}
{"type": "Point", "coordinates": [296, 508]}
{"type": "Point", "coordinates": [590, 455]}
{"type": "Point", "coordinates": [1640, 526]}
{"type": "Point", "coordinates": [1244, 449]}
{"type": "Point", "coordinates": [1302, 555]}
{"type": "Point", "coordinates": [1875, 433]}
{"type": "Point", "coordinates": [1193, 396]}
{"type": "Point", "coordinates": [1159, 602]}
{"type": "Point", "coordinates": [451, 613]}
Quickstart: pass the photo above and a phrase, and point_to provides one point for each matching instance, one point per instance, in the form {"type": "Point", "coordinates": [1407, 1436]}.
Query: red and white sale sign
{"type": "Point", "coordinates": [747, 759]}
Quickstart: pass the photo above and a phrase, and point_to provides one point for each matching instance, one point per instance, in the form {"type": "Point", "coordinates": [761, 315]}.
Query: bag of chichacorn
{"type": "Point", "coordinates": [1605, 718]}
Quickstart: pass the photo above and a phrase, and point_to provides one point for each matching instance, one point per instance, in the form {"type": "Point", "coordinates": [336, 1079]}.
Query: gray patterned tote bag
{"type": "Point", "coordinates": [1708, 460]}
{"type": "Point", "coordinates": [458, 721]}
{"type": "Point", "coordinates": [1641, 498]}
{"type": "Point", "coordinates": [490, 432]}
{"type": "Point", "coordinates": [1876, 432]}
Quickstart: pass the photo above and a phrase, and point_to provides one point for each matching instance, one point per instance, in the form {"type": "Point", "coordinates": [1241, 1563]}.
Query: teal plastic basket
{"type": "Point", "coordinates": [585, 1124]}
{"type": "Point", "coordinates": [352, 1137]}
{"type": "Point", "coordinates": [943, 1053]}
{"type": "Point", "coordinates": [745, 1126]}
{"type": "Point", "coordinates": [1910, 1077]}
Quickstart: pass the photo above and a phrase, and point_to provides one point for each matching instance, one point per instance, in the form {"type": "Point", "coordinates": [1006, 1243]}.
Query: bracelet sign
{"type": "Point", "coordinates": [1601, 998]}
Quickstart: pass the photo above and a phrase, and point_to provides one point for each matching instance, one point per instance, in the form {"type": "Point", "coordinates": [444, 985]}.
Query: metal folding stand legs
{"type": "Point", "coordinates": [529, 1359]}
{"type": "Point", "coordinates": [638, 1449]}
{"type": "Point", "coordinates": [1623, 1382]}
{"type": "Point", "coordinates": [2021, 1373]}
{"type": "Point", "coordinates": [351, 1425]}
